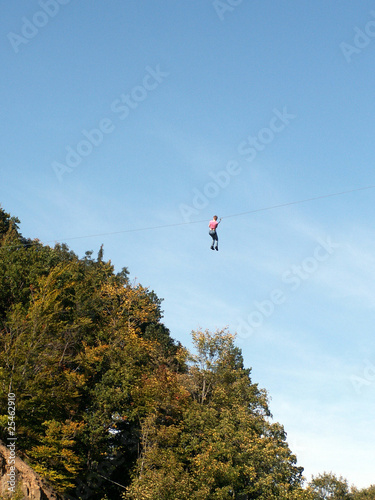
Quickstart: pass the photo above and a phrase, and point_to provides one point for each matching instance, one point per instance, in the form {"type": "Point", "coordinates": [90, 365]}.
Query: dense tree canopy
{"type": "Point", "coordinates": [214, 439]}
{"type": "Point", "coordinates": [108, 405]}
{"type": "Point", "coordinates": [76, 341]}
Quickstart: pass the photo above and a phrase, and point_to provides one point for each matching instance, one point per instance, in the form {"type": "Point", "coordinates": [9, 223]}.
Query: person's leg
{"type": "Point", "coordinates": [217, 241]}
{"type": "Point", "coordinates": [211, 233]}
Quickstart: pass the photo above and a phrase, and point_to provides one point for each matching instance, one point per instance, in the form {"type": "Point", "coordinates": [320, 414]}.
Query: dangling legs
{"type": "Point", "coordinates": [214, 237]}
{"type": "Point", "coordinates": [212, 234]}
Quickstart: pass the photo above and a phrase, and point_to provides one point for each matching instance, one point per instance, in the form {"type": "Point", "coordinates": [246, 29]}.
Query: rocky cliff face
{"type": "Point", "coordinates": [19, 481]}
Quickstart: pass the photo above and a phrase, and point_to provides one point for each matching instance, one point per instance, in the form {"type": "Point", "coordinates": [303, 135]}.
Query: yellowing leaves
{"type": "Point", "coordinates": [55, 458]}
{"type": "Point", "coordinates": [220, 439]}
{"type": "Point", "coordinates": [92, 355]}
{"type": "Point", "coordinates": [128, 305]}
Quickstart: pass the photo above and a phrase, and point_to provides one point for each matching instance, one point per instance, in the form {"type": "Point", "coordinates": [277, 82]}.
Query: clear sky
{"type": "Point", "coordinates": [128, 114]}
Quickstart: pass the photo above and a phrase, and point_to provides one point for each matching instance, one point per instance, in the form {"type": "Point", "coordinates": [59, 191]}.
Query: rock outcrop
{"type": "Point", "coordinates": [18, 480]}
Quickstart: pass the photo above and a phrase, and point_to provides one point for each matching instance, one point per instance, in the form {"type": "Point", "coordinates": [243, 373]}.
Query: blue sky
{"type": "Point", "coordinates": [129, 115]}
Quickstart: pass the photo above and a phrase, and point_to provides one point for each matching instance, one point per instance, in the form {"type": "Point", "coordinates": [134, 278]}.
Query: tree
{"type": "Point", "coordinates": [107, 401]}
{"type": "Point", "coordinates": [76, 341]}
{"type": "Point", "coordinates": [328, 486]}
{"type": "Point", "coordinates": [216, 440]}
{"type": "Point", "coordinates": [364, 494]}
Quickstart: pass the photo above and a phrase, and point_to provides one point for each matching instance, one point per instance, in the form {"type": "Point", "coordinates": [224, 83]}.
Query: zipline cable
{"type": "Point", "coordinates": [300, 201]}
{"type": "Point", "coordinates": [272, 207]}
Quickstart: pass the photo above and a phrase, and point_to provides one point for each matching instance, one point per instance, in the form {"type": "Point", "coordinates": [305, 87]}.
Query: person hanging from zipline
{"type": "Point", "coordinates": [212, 232]}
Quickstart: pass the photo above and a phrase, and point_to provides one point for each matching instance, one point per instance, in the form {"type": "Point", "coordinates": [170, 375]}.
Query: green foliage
{"type": "Point", "coordinates": [364, 494]}
{"type": "Point", "coordinates": [107, 401]}
{"type": "Point", "coordinates": [76, 340]}
{"type": "Point", "coordinates": [328, 486]}
{"type": "Point", "coordinates": [210, 437]}
{"type": "Point", "coordinates": [54, 458]}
